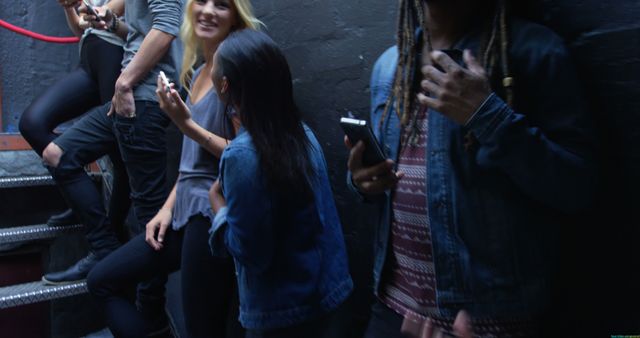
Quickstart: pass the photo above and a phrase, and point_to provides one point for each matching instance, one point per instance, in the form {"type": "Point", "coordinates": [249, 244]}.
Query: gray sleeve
{"type": "Point", "coordinates": [166, 15]}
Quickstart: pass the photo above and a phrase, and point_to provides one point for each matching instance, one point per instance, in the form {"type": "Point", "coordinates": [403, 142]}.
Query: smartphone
{"type": "Point", "coordinates": [165, 81]}
{"type": "Point", "coordinates": [357, 130]}
{"type": "Point", "coordinates": [92, 10]}
{"type": "Point", "coordinates": [455, 55]}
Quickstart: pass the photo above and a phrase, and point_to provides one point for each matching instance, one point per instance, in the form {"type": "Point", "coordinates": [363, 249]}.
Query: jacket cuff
{"type": "Point", "coordinates": [217, 233]}
{"type": "Point", "coordinates": [362, 198]}
{"type": "Point", "coordinates": [491, 113]}
{"type": "Point", "coordinates": [354, 189]}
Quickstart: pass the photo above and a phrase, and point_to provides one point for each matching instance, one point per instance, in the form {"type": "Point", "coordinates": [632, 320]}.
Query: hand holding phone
{"type": "Point", "coordinates": [92, 11]}
{"type": "Point", "coordinates": [359, 130]}
{"type": "Point", "coordinates": [371, 172]}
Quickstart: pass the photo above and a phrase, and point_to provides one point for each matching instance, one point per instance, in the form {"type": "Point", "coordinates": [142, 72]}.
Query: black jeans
{"type": "Point", "coordinates": [90, 85]}
{"type": "Point", "coordinates": [384, 322]}
{"type": "Point", "coordinates": [314, 328]}
{"type": "Point", "coordinates": [208, 283]}
{"type": "Point", "coordinates": [142, 144]}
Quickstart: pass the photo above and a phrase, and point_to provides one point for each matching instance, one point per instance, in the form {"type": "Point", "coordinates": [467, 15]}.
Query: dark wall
{"type": "Point", "coordinates": [331, 46]}
{"type": "Point", "coordinates": [28, 66]}
{"type": "Point", "coordinates": [598, 293]}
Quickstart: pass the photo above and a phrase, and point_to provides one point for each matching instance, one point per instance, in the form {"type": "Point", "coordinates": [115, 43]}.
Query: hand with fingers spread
{"type": "Point", "coordinates": [157, 227]}
{"type": "Point", "coordinates": [371, 180]}
{"type": "Point", "coordinates": [172, 104]}
{"type": "Point", "coordinates": [455, 92]}
{"type": "Point", "coordinates": [462, 328]}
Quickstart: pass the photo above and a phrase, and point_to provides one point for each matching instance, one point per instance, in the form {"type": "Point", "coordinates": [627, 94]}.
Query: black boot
{"type": "Point", "coordinates": [76, 272]}
{"type": "Point", "coordinates": [66, 217]}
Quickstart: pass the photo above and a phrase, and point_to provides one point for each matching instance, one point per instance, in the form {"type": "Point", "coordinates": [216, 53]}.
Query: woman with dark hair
{"type": "Point", "coordinates": [176, 237]}
{"type": "Point", "coordinates": [274, 207]}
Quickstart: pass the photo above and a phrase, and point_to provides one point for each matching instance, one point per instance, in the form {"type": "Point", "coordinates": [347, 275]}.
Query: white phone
{"type": "Point", "coordinates": [165, 81]}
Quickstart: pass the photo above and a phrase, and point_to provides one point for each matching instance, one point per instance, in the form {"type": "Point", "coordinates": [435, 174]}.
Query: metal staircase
{"type": "Point", "coordinates": [29, 248]}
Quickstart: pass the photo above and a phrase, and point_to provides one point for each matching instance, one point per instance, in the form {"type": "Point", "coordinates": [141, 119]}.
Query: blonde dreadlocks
{"type": "Point", "coordinates": [406, 81]}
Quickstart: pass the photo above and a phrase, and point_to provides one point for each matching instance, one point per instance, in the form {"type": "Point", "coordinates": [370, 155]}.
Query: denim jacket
{"type": "Point", "coordinates": [495, 210]}
{"type": "Point", "coordinates": [291, 265]}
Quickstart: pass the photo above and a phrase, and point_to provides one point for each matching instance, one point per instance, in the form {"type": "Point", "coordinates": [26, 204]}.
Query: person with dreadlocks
{"type": "Point", "coordinates": [489, 154]}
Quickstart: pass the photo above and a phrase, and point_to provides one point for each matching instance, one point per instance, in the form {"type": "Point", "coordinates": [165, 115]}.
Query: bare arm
{"type": "Point", "coordinates": [208, 140]}
{"type": "Point", "coordinates": [158, 225]}
{"type": "Point", "coordinates": [154, 46]}
{"type": "Point", "coordinates": [73, 20]}
{"type": "Point", "coordinates": [116, 6]}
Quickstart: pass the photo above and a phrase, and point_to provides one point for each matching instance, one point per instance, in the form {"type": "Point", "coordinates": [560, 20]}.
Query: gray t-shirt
{"type": "Point", "coordinates": [198, 167]}
{"type": "Point", "coordinates": [142, 16]}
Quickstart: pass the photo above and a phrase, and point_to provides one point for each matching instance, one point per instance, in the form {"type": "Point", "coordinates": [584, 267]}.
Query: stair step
{"type": "Point", "coordinates": [34, 292]}
{"type": "Point", "coordinates": [26, 181]}
{"type": "Point", "coordinates": [33, 181]}
{"type": "Point", "coordinates": [34, 232]}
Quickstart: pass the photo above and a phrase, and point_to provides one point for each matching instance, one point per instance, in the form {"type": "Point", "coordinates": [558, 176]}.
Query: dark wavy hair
{"type": "Point", "coordinates": [260, 89]}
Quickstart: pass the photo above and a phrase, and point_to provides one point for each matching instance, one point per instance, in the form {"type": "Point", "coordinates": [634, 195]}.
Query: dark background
{"type": "Point", "coordinates": [331, 46]}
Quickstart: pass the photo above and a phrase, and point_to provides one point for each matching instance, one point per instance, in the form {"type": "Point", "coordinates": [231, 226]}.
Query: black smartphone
{"type": "Point", "coordinates": [92, 10]}
{"type": "Point", "coordinates": [455, 55]}
{"type": "Point", "coordinates": [357, 130]}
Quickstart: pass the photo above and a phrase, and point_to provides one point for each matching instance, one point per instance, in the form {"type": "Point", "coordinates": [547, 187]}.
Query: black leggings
{"type": "Point", "coordinates": [208, 282]}
{"type": "Point", "coordinates": [91, 84]}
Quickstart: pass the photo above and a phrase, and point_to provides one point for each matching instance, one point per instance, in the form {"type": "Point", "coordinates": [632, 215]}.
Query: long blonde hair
{"type": "Point", "coordinates": [192, 45]}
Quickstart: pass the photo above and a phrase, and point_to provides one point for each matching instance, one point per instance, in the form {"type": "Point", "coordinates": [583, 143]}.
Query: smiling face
{"type": "Point", "coordinates": [213, 20]}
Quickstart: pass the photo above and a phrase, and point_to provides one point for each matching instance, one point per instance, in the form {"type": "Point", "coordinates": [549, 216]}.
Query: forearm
{"type": "Point", "coordinates": [208, 140]}
{"type": "Point", "coordinates": [116, 6]}
{"type": "Point", "coordinates": [73, 21]}
{"type": "Point", "coordinates": [121, 28]}
{"type": "Point", "coordinates": [153, 48]}
{"type": "Point", "coordinates": [171, 200]}
{"type": "Point", "coordinates": [557, 170]}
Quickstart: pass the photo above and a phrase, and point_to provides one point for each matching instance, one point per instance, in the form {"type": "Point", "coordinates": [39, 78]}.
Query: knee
{"type": "Point", "coordinates": [27, 126]}
{"type": "Point", "coordinates": [51, 155]}
{"type": "Point", "coordinates": [95, 283]}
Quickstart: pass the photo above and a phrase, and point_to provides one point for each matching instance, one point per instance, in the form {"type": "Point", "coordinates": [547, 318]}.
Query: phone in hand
{"type": "Point", "coordinates": [92, 10]}
{"type": "Point", "coordinates": [165, 81]}
{"type": "Point", "coordinates": [455, 55]}
{"type": "Point", "coordinates": [357, 130]}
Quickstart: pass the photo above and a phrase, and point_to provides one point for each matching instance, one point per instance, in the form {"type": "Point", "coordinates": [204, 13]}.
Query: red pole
{"type": "Point", "coordinates": [1, 129]}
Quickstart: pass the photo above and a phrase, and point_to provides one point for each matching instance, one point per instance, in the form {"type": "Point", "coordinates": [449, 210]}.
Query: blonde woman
{"type": "Point", "coordinates": [176, 238]}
